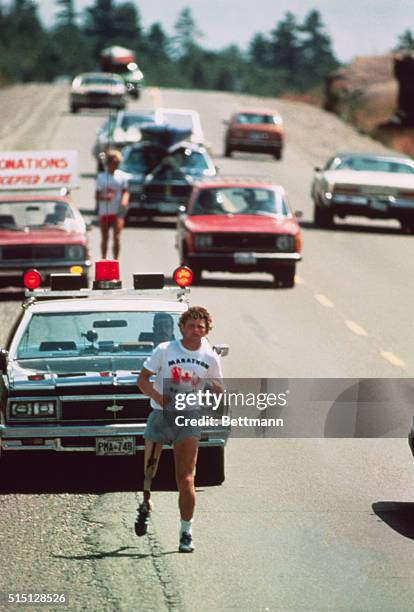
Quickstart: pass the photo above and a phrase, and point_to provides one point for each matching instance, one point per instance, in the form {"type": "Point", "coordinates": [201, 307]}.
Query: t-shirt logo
{"type": "Point", "coordinates": [179, 375]}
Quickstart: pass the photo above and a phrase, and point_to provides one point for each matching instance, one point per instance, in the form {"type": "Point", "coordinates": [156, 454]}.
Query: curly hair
{"type": "Point", "coordinates": [197, 312]}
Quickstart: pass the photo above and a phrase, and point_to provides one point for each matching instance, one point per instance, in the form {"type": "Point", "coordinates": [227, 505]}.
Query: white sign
{"type": "Point", "coordinates": [38, 169]}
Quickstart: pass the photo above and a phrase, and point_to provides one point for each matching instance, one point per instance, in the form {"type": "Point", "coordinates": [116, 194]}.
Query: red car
{"type": "Point", "coordinates": [44, 231]}
{"type": "Point", "coordinates": [255, 131]}
{"type": "Point", "coordinates": [240, 226]}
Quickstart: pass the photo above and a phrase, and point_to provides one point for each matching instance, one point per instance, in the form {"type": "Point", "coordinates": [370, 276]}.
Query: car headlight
{"type": "Point", "coordinates": [75, 251]}
{"type": "Point", "coordinates": [24, 409]}
{"type": "Point", "coordinates": [203, 240]}
{"type": "Point", "coordinates": [285, 243]}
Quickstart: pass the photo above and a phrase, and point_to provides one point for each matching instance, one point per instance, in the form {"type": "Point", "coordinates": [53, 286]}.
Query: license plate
{"type": "Point", "coordinates": [378, 205]}
{"type": "Point", "coordinates": [245, 258]}
{"type": "Point", "coordinates": [115, 446]}
{"type": "Point", "coordinates": [256, 136]}
{"type": "Point", "coordinates": [172, 208]}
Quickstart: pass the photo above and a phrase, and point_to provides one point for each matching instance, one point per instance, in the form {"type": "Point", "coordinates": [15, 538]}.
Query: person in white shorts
{"type": "Point", "coordinates": [112, 199]}
{"type": "Point", "coordinates": [187, 361]}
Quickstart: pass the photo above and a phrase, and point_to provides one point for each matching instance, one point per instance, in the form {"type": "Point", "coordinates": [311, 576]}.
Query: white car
{"type": "Point", "coordinates": [369, 185]}
{"type": "Point", "coordinates": [97, 90]}
{"type": "Point", "coordinates": [71, 365]}
{"type": "Point", "coordinates": [182, 119]}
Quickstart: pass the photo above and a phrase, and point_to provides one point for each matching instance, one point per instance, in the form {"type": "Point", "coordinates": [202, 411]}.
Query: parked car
{"type": "Point", "coordinates": [121, 130]}
{"type": "Point", "coordinates": [254, 131]}
{"type": "Point", "coordinates": [182, 119]}
{"type": "Point", "coordinates": [41, 231]}
{"type": "Point", "coordinates": [240, 226]}
{"type": "Point", "coordinates": [69, 370]}
{"type": "Point", "coordinates": [162, 171]}
{"type": "Point", "coordinates": [97, 90]}
{"type": "Point", "coordinates": [365, 184]}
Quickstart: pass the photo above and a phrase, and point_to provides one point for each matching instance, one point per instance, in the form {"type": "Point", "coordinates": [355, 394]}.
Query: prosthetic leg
{"type": "Point", "coordinates": [152, 456]}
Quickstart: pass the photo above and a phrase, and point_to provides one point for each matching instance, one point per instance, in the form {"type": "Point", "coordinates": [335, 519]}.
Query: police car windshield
{"type": "Point", "coordinates": [18, 215]}
{"type": "Point", "coordinates": [239, 201]}
{"type": "Point", "coordinates": [78, 334]}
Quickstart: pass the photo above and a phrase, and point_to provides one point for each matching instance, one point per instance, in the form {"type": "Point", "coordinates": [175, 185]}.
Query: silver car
{"type": "Point", "coordinates": [120, 130]}
{"type": "Point", "coordinates": [364, 184]}
{"type": "Point", "coordinates": [97, 90]}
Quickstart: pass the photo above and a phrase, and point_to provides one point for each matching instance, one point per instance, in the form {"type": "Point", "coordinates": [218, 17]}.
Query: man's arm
{"type": "Point", "coordinates": [147, 387]}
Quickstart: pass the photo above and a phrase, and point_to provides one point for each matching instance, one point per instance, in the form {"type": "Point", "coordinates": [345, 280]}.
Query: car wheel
{"type": "Point", "coordinates": [407, 226]}
{"type": "Point", "coordinates": [285, 276]}
{"type": "Point", "coordinates": [277, 154]}
{"type": "Point", "coordinates": [322, 217]}
{"type": "Point", "coordinates": [228, 151]}
{"type": "Point", "coordinates": [210, 466]}
{"type": "Point", "coordinates": [74, 109]}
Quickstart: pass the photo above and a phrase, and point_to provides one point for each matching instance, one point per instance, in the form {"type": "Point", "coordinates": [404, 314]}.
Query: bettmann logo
{"type": "Point", "coordinates": [114, 408]}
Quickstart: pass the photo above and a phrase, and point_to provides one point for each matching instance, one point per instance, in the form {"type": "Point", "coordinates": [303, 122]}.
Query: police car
{"type": "Point", "coordinates": [69, 369]}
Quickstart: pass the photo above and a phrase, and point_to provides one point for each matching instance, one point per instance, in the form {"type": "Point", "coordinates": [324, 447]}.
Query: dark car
{"type": "Point", "coordinates": [162, 171]}
{"type": "Point", "coordinates": [240, 226]}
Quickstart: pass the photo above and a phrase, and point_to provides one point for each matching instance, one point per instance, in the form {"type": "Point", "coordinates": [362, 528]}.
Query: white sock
{"type": "Point", "coordinates": [186, 526]}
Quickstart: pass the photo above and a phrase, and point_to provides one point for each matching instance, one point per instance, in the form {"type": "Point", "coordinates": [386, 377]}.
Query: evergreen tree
{"type": "Point", "coordinates": [317, 57]}
{"type": "Point", "coordinates": [405, 41]}
{"type": "Point", "coordinates": [260, 51]}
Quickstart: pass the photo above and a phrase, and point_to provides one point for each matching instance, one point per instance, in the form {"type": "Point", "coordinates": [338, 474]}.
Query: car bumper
{"type": "Point", "coordinates": [97, 101]}
{"type": "Point", "coordinates": [83, 439]}
{"type": "Point", "coordinates": [243, 261]}
{"type": "Point", "coordinates": [255, 146]}
{"type": "Point", "coordinates": [14, 274]}
{"type": "Point", "coordinates": [144, 208]}
{"type": "Point", "coordinates": [371, 206]}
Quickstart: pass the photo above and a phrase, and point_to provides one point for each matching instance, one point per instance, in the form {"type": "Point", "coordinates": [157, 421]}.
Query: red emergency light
{"type": "Point", "coordinates": [32, 279]}
{"type": "Point", "coordinates": [107, 274]}
{"type": "Point", "coordinates": [183, 276]}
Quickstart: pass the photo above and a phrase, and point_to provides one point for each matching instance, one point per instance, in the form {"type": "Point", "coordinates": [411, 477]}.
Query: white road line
{"type": "Point", "coordinates": [393, 359]}
{"type": "Point", "coordinates": [357, 329]}
{"type": "Point", "coordinates": [156, 96]}
{"type": "Point", "coordinates": [322, 299]}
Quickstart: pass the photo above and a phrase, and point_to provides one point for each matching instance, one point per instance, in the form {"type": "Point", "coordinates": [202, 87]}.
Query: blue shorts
{"type": "Point", "coordinates": [163, 429]}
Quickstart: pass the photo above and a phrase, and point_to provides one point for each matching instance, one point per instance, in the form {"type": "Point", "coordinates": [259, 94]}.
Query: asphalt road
{"type": "Point", "coordinates": [300, 524]}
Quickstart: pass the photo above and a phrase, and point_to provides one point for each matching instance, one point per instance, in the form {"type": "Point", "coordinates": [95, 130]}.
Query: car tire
{"type": "Point", "coordinates": [322, 217]}
{"type": "Point", "coordinates": [278, 154]}
{"type": "Point", "coordinates": [285, 276]}
{"type": "Point", "coordinates": [74, 109]}
{"type": "Point", "coordinates": [228, 151]}
{"type": "Point", "coordinates": [407, 226]}
{"type": "Point", "coordinates": [210, 466]}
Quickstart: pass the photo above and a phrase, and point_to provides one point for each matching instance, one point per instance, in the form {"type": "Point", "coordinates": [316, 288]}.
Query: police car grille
{"type": "Point", "coordinates": [244, 241]}
{"type": "Point", "coordinates": [105, 410]}
{"type": "Point", "coordinates": [162, 191]}
{"type": "Point", "coordinates": [34, 252]}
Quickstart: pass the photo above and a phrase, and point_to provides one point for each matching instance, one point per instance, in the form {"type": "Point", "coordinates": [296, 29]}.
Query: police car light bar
{"type": "Point", "coordinates": [65, 282]}
{"type": "Point", "coordinates": [32, 279]}
{"type": "Point", "coordinates": [148, 281]}
{"type": "Point", "coordinates": [183, 276]}
{"type": "Point", "coordinates": [107, 274]}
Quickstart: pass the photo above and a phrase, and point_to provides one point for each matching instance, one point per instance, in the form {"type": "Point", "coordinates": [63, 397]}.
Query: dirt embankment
{"type": "Point", "coordinates": [365, 94]}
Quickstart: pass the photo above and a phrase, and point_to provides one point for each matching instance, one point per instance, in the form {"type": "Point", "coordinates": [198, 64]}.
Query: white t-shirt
{"type": "Point", "coordinates": [170, 360]}
{"type": "Point", "coordinates": [110, 187]}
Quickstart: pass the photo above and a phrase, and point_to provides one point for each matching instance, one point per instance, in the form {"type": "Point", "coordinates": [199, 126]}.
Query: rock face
{"type": "Point", "coordinates": [404, 73]}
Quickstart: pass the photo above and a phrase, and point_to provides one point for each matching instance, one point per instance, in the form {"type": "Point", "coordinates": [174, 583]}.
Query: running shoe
{"type": "Point", "coordinates": [186, 543]}
{"type": "Point", "coordinates": [142, 520]}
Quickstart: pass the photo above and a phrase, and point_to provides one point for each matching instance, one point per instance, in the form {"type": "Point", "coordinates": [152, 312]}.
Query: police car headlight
{"type": "Point", "coordinates": [285, 243]}
{"type": "Point", "coordinates": [75, 251]}
{"type": "Point", "coordinates": [22, 409]}
{"type": "Point", "coordinates": [203, 240]}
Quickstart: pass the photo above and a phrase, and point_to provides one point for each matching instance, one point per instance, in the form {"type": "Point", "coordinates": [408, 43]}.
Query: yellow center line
{"type": "Point", "coordinates": [357, 329]}
{"type": "Point", "coordinates": [393, 359]}
{"type": "Point", "coordinates": [322, 299]}
{"type": "Point", "coordinates": [156, 96]}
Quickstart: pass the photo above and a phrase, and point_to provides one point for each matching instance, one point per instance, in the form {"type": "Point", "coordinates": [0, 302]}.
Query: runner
{"type": "Point", "coordinates": [112, 200]}
{"type": "Point", "coordinates": [189, 359]}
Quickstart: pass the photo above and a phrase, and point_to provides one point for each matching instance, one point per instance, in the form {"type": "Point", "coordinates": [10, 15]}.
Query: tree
{"type": "Point", "coordinates": [186, 34]}
{"type": "Point", "coordinates": [260, 51]}
{"type": "Point", "coordinates": [405, 41]}
{"type": "Point", "coordinates": [285, 44]}
{"type": "Point", "coordinates": [317, 57]}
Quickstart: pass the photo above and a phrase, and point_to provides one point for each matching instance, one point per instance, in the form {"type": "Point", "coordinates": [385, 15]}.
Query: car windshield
{"type": "Point", "coordinates": [239, 201]}
{"type": "Point", "coordinates": [89, 80]}
{"type": "Point", "coordinates": [77, 334]}
{"type": "Point", "coordinates": [371, 164]}
{"type": "Point", "coordinates": [142, 160]}
{"type": "Point", "coordinates": [255, 118]}
{"type": "Point", "coordinates": [129, 121]}
{"type": "Point", "coordinates": [178, 120]}
{"type": "Point", "coordinates": [27, 214]}
{"type": "Point", "coordinates": [190, 161]}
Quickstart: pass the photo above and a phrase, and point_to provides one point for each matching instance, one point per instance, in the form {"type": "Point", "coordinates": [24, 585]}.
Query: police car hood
{"type": "Point", "coordinates": [94, 370]}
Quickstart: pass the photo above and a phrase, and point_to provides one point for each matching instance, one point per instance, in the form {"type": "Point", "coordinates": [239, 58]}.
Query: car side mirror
{"type": "Point", "coordinates": [4, 358]}
{"type": "Point", "coordinates": [182, 209]}
{"type": "Point", "coordinates": [221, 349]}
{"type": "Point", "coordinates": [317, 169]}
{"type": "Point", "coordinates": [298, 214]}
{"type": "Point", "coordinates": [89, 227]}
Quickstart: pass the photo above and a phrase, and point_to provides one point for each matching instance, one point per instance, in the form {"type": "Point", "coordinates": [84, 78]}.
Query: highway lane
{"type": "Point", "coordinates": [294, 527]}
